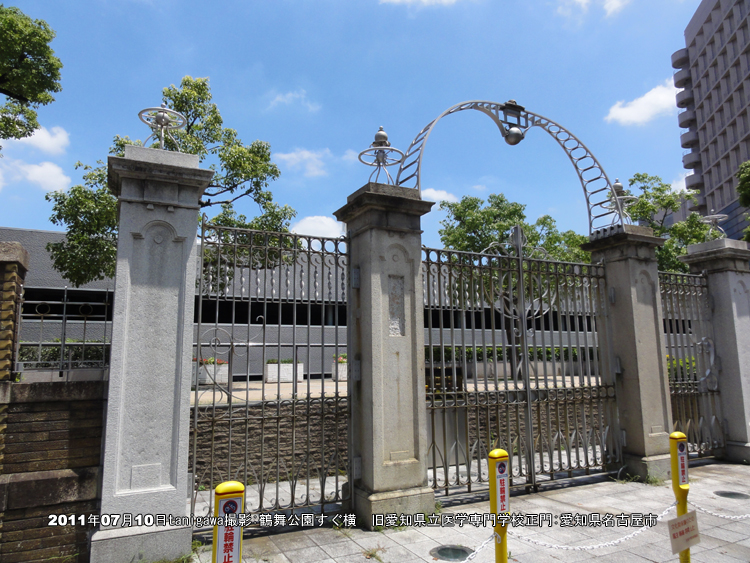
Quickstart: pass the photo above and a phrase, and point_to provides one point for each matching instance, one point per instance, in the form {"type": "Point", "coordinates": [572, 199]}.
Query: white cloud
{"type": "Point", "coordinates": [678, 185]}
{"type": "Point", "coordinates": [438, 195]}
{"type": "Point", "coordinates": [479, 187]}
{"type": "Point", "coordinates": [50, 141]}
{"type": "Point", "coordinates": [614, 6]}
{"type": "Point", "coordinates": [569, 8]}
{"type": "Point", "coordinates": [657, 101]}
{"type": "Point", "coordinates": [572, 8]}
{"type": "Point", "coordinates": [47, 175]}
{"type": "Point", "coordinates": [421, 2]}
{"type": "Point", "coordinates": [312, 162]}
{"type": "Point", "coordinates": [350, 156]}
{"type": "Point", "coordinates": [320, 226]}
{"type": "Point", "coordinates": [300, 96]}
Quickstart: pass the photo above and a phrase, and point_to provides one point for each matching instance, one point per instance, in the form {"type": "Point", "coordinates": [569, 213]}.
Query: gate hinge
{"type": "Point", "coordinates": [356, 370]}
{"type": "Point", "coordinates": [618, 366]}
{"type": "Point", "coordinates": [612, 295]}
{"type": "Point", "coordinates": [356, 467]}
{"type": "Point", "coordinates": [355, 278]}
{"type": "Point", "coordinates": [624, 438]}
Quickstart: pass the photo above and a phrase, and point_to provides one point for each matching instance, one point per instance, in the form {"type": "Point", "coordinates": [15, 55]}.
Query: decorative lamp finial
{"type": "Point", "coordinates": [381, 139]}
{"type": "Point", "coordinates": [381, 155]}
{"type": "Point", "coordinates": [161, 120]}
{"type": "Point", "coordinates": [619, 202]}
{"type": "Point", "coordinates": [714, 220]}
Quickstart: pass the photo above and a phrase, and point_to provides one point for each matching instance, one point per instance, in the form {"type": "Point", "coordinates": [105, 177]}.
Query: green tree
{"type": "Point", "coordinates": [275, 218]}
{"type": "Point", "coordinates": [743, 191]}
{"type": "Point", "coordinates": [472, 227]}
{"type": "Point", "coordinates": [655, 202]}
{"type": "Point", "coordinates": [89, 211]}
{"type": "Point", "coordinates": [29, 71]}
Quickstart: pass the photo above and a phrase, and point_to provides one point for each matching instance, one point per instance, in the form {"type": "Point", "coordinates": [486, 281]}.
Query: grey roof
{"type": "Point", "coordinates": [41, 273]}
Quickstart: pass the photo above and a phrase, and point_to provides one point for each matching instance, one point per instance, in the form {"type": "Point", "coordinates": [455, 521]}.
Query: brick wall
{"type": "Point", "coordinates": [50, 447]}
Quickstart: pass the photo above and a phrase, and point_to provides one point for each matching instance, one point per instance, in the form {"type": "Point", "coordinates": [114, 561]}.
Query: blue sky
{"type": "Point", "coordinates": [316, 78]}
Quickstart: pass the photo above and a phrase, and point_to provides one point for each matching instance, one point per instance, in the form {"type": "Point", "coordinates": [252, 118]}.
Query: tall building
{"type": "Point", "coordinates": [713, 71]}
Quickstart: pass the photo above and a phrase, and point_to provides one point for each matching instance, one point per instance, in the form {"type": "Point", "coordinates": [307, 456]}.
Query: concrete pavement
{"type": "Point", "coordinates": [718, 487]}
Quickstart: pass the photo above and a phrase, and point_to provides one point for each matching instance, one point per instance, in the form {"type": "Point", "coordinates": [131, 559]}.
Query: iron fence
{"type": "Point", "coordinates": [512, 361]}
{"type": "Point", "coordinates": [691, 360]}
{"type": "Point", "coordinates": [64, 335]}
{"type": "Point", "coordinates": [270, 393]}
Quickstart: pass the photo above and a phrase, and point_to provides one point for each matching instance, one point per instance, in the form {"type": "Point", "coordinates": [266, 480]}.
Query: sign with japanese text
{"type": "Point", "coordinates": [229, 537]}
{"type": "Point", "coordinates": [502, 486]}
{"type": "Point", "coordinates": [683, 532]}
{"type": "Point", "coordinates": [682, 462]}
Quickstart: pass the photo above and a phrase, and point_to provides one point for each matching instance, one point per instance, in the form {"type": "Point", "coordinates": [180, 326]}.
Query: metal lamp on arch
{"type": "Point", "coordinates": [605, 209]}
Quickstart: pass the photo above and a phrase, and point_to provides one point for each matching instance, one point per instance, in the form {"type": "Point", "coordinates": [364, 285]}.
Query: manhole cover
{"type": "Point", "coordinates": [451, 552]}
{"type": "Point", "coordinates": [731, 494]}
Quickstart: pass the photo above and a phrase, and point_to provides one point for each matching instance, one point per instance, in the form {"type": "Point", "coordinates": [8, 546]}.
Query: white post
{"type": "Point", "coordinates": [147, 421]}
{"type": "Point", "coordinates": [385, 337]}
{"type": "Point", "coordinates": [633, 341]}
{"type": "Point", "coordinates": [727, 264]}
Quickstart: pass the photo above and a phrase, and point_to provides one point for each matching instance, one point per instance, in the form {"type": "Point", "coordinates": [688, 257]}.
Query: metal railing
{"type": "Point", "coordinates": [691, 360]}
{"type": "Point", "coordinates": [512, 362]}
{"type": "Point", "coordinates": [270, 405]}
{"type": "Point", "coordinates": [63, 338]}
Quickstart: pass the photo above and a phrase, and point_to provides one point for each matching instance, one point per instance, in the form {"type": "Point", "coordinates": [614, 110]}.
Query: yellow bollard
{"type": "Point", "coordinates": [499, 469]}
{"type": "Point", "coordinates": [229, 500]}
{"type": "Point", "coordinates": [679, 453]}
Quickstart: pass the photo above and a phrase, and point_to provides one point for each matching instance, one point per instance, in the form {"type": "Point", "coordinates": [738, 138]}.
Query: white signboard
{"type": "Point", "coordinates": [682, 462]}
{"type": "Point", "coordinates": [229, 538]}
{"type": "Point", "coordinates": [502, 486]}
{"type": "Point", "coordinates": [683, 531]}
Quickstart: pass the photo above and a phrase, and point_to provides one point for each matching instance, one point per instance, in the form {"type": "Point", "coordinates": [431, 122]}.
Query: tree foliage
{"type": "Point", "coordinates": [89, 250]}
{"type": "Point", "coordinates": [655, 202]}
{"type": "Point", "coordinates": [89, 212]}
{"type": "Point", "coordinates": [242, 170]}
{"type": "Point", "coordinates": [274, 218]}
{"type": "Point", "coordinates": [29, 71]}
{"type": "Point", "coordinates": [743, 191]}
{"type": "Point", "coordinates": [473, 226]}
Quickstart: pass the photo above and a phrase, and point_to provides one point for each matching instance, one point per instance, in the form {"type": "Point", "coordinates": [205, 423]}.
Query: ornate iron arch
{"type": "Point", "coordinates": [604, 206]}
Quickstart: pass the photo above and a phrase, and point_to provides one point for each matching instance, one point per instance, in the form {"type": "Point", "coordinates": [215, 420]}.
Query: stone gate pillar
{"type": "Point", "coordinates": [385, 337]}
{"type": "Point", "coordinates": [727, 264]}
{"type": "Point", "coordinates": [147, 420]}
{"type": "Point", "coordinates": [633, 342]}
{"type": "Point", "coordinates": [14, 263]}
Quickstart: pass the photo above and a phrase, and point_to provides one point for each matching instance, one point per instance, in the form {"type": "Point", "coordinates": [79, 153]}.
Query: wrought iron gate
{"type": "Point", "coordinates": [691, 361]}
{"type": "Point", "coordinates": [269, 403]}
{"type": "Point", "coordinates": [512, 362]}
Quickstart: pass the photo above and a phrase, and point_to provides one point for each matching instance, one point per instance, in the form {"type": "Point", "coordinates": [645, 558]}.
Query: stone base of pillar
{"type": "Point", "coordinates": [736, 452]}
{"type": "Point", "coordinates": [125, 545]}
{"type": "Point", "coordinates": [655, 466]}
{"type": "Point", "coordinates": [419, 500]}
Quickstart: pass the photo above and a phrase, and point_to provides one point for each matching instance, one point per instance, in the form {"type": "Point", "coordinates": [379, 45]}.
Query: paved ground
{"type": "Point", "coordinates": [722, 540]}
{"type": "Point", "coordinates": [255, 391]}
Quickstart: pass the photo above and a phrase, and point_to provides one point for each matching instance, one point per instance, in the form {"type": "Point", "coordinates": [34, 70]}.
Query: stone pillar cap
{"type": "Point", "coordinates": [166, 167]}
{"type": "Point", "coordinates": [718, 244]}
{"type": "Point", "coordinates": [623, 234]}
{"type": "Point", "coordinates": [160, 156]}
{"type": "Point", "coordinates": [14, 252]}
{"type": "Point", "coordinates": [385, 197]}
{"type": "Point", "coordinates": [718, 255]}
